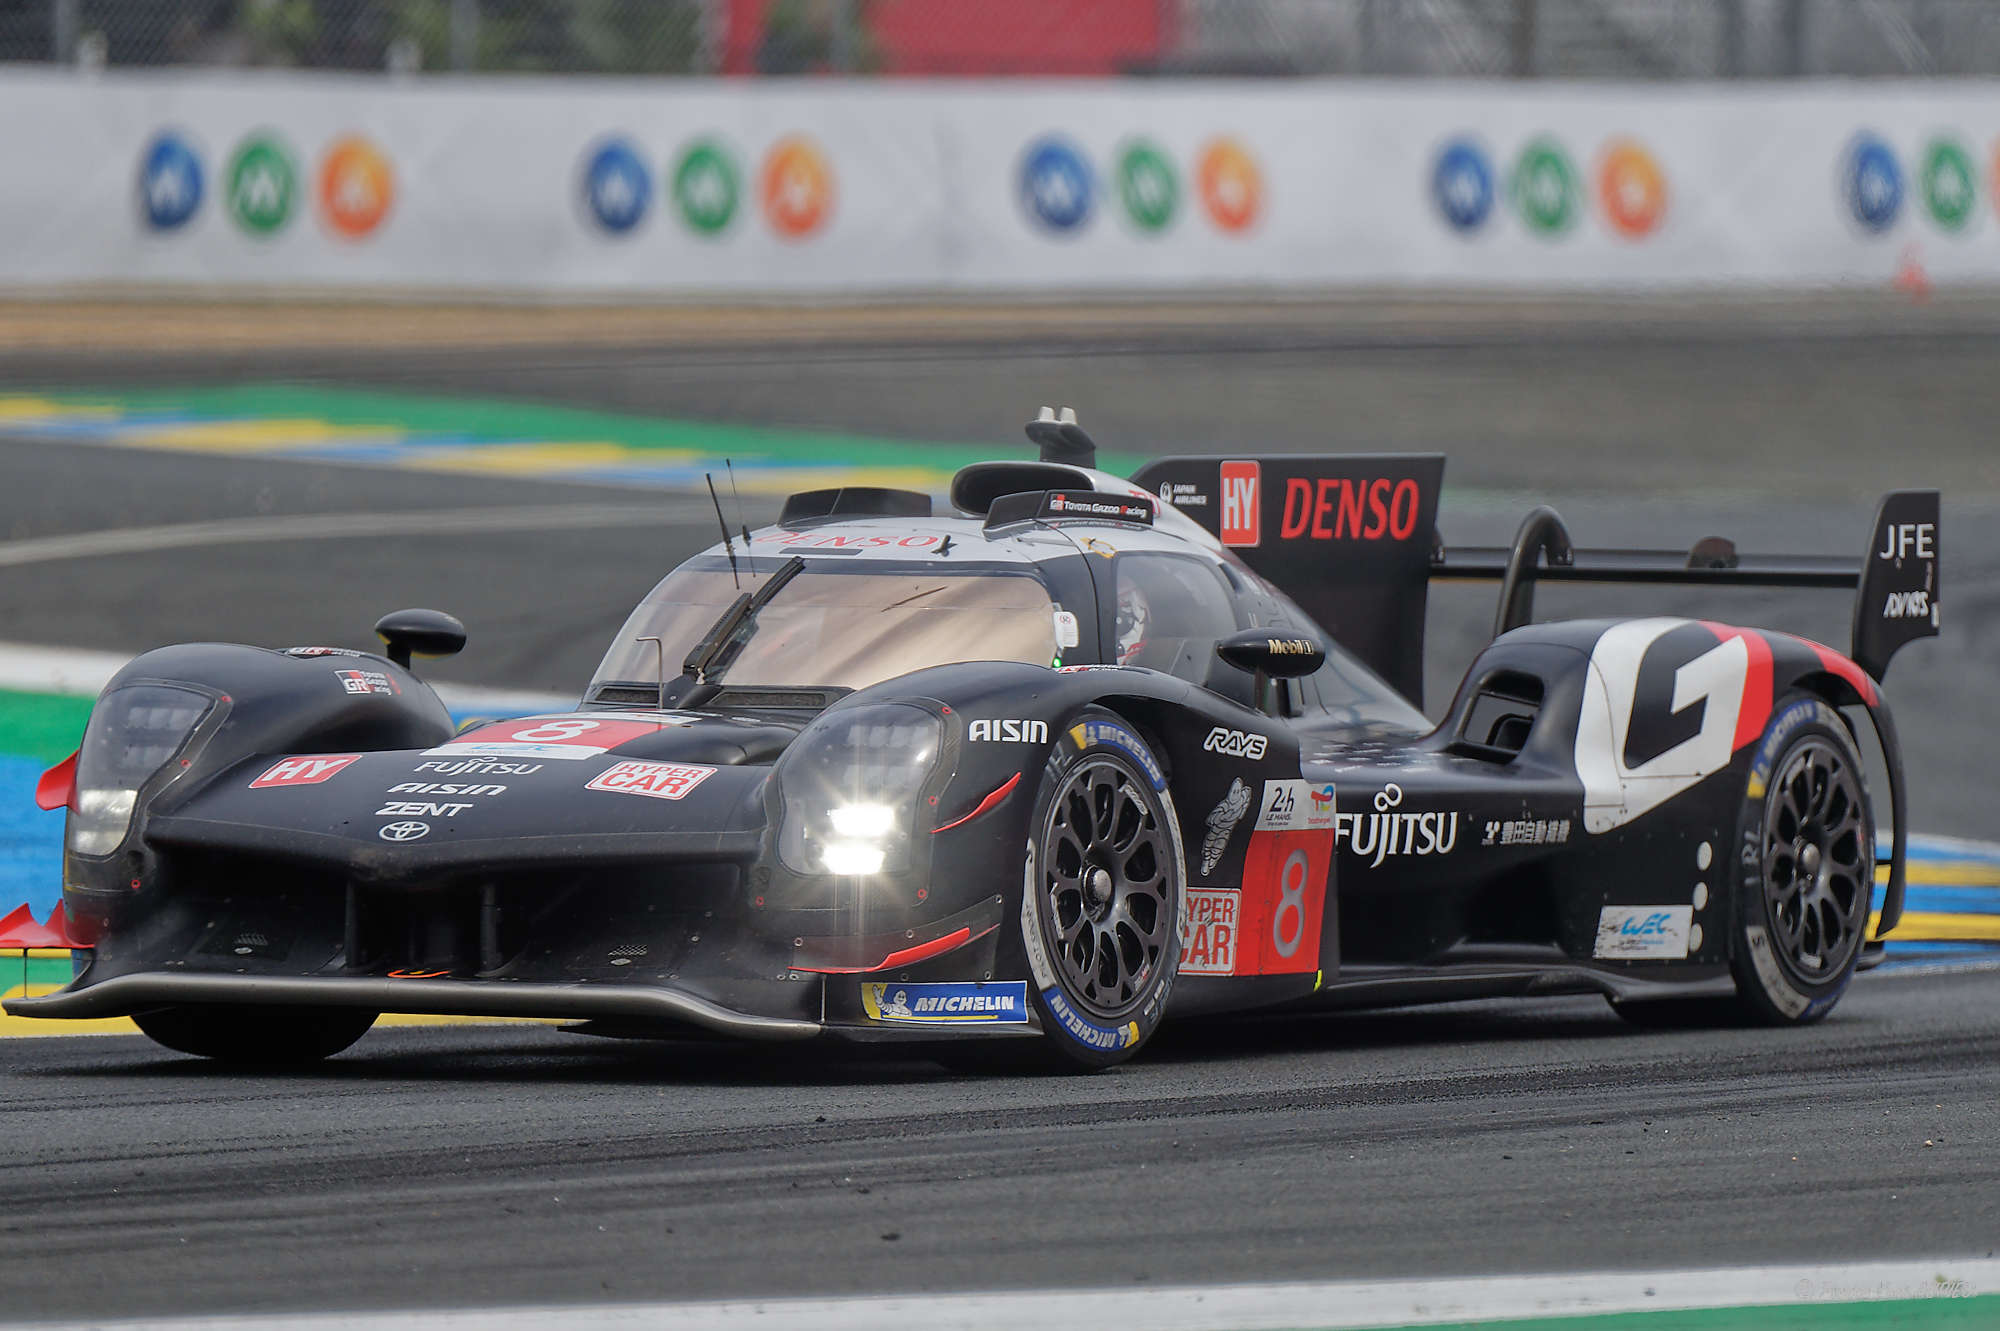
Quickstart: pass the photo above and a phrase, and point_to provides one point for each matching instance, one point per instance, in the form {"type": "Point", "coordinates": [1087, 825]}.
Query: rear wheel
{"type": "Point", "coordinates": [1806, 871]}
{"type": "Point", "coordinates": [1101, 901]}
{"type": "Point", "coordinates": [256, 1035]}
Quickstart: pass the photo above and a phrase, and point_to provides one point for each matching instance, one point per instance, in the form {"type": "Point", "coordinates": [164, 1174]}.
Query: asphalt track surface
{"type": "Point", "coordinates": [465, 1167]}
{"type": "Point", "coordinates": [488, 1166]}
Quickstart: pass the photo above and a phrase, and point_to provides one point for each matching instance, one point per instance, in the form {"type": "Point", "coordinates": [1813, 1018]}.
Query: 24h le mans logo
{"type": "Point", "coordinates": [263, 185]}
{"type": "Point", "coordinates": [706, 188]}
{"type": "Point", "coordinates": [1947, 183]}
{"type": "Point", "coordinates": [1545, 188]}
{"type": "Point", "coordinates": [1147, 185]}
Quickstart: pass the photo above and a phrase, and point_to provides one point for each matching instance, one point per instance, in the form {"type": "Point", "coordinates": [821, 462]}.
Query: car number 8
{"type": "Point", "coordinates": [555, 732]}
{"type": "Point", "coordinates": [1291, 900]}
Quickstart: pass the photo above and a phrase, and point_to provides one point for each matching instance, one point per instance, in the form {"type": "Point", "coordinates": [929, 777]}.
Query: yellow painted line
{"type": "Point", "coordinates": [41, 409]}
{"type": "Point", "coordinates": [256, 436]}
{"type": "Point", "coordinates": [12, 1025]}
{"type": "Point", "coordinates": [1939, 927]}
{"type": "Point", "coordinates": [525, 459]}
{"type": "Point", "coordinates": [1950, 873]}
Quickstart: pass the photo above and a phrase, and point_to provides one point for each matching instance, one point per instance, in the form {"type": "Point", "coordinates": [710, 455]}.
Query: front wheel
{"type": "Point", "coordinates": [256, 1035]}
{"type": "Point", "coordinates": [1101, 899]}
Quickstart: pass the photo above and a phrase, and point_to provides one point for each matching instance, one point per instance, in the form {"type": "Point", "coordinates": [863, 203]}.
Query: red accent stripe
{"type": "Point", "coordinates": [1754, 710]}
{"type": "Point", "coordinates": [985, 806]}
{"type": "Point", "coordinates": [1847, 670]}
{"type": "Point", "coordinates": [909, 956]}
{"type": "Point", "coordinates": [58, 785]}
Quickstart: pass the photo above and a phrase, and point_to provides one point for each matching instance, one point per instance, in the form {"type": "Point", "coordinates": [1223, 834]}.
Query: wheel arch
{"type": "Point", "coordinates": [1839, 690]}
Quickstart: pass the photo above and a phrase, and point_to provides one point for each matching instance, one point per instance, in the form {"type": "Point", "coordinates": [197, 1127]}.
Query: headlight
{"type": "Point", "coordinates": [851, 786]}
{"type": "Point", "coordinates": [134, 731]}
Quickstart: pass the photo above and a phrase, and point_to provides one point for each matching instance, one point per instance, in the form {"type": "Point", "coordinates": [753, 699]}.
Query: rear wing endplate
{"type": "Point", "coordinates": [1896, 579]}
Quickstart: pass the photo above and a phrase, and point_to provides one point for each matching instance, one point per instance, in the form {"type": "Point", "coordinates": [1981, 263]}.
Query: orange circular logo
{"type": "Point", "coordinates": [356, 187]}
{"type": "Point", "coordinates": [1631, 189]}
{"type": "Point", "coordinates": [797, 188]}
{"type": "Point", "coordinates": [1231, 187]}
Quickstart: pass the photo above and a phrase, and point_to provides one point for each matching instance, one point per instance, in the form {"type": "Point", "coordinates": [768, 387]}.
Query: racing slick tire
{"type": "Point", "coordinates": [1804, 866]}
{"type": "Point", "coordinates": [1102, 893]}
{"type": "Point", "coordinates": [256, 1035]}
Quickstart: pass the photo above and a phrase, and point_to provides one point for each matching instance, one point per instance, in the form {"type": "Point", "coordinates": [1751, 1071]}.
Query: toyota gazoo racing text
{"type": "Point", "coordinates": [1019, 780]}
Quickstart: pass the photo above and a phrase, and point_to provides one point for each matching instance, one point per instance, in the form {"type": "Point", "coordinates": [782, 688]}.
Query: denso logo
{"type": "Point", "coordinates": [1336, 509]}
{"type": "Point", "coordinates": [1236, 742]}
{"type": "Point", "coordinates": [304, 771]}
{"type": "Point", "coordinates": [1240, 484]}
{"type": "Point", "coordinates": [1009, 732]}
{"type": "Point", "coordinates": [1907, 605]}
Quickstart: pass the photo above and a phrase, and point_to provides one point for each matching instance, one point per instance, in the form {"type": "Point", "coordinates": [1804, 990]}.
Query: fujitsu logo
{"type": "Point", "coordinates": [1387, 832]}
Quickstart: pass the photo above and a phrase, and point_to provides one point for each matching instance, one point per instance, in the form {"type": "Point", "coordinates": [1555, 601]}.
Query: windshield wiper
{"type": "Point", "coordinates": [728, 634]}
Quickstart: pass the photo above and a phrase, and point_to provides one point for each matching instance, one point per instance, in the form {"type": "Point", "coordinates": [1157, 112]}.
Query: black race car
{"type": "Point", "coordinates": [1040, 771]}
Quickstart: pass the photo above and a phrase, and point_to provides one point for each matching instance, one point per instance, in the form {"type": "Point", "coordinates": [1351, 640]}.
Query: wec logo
{"type": "Point", "coordinates": [1656, 925]}
{"type": "Point", "coordinates": [1235, 742]}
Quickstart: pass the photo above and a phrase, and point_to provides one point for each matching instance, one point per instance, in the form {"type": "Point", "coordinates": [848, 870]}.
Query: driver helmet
{"type": "Point", "coordinates": [1135, 616]}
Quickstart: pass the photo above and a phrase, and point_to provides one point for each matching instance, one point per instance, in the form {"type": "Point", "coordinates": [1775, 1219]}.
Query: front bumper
{"type": "Point", "coordinates": [123, 995]}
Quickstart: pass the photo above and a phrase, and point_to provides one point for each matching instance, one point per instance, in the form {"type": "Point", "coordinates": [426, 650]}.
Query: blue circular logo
{"type": "Point", "coordinates": [1462, 185]}
{"type": "Point", "coordinates": [169, 182]}
{"type": "Point", "coordinates": [1874, 182]}
{"type": "Point", "coordinates": [1056, 184]}
{"type": "Point", "coordinates": [617, 186]}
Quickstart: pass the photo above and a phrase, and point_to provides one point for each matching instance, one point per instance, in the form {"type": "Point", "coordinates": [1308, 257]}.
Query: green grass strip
{"type": "Point", "coordinates": [1973, 1313]}
{"type": "Point", "coordinates": [43, 726]}
{"type": "Point", "coordinates": [498, 419]}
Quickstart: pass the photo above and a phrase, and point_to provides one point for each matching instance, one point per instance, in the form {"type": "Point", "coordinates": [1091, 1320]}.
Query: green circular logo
{"type": "Point", "coordinates": [1544, 188]}
{"type": "Point", "coordinates": [1147, 184]}
{"type": "Point", "coordinates": [1949, 189]}
{"type": "Point", "coordinates": [263, 185]}
{"type": "Point", "coordinates": [705, 187]}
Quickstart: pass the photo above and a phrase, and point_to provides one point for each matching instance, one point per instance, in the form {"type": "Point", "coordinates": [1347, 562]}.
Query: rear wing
{"type": "Point", "coordinates": [1896, 580]}
{"type": "Point", "coordinates": [1353, 539]}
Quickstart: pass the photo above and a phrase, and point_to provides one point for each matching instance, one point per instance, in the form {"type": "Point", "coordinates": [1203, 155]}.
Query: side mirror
{"type": "Point", "coordinates": [1272, 653]}
{"type": "Point", "coordinates": [419, 633]}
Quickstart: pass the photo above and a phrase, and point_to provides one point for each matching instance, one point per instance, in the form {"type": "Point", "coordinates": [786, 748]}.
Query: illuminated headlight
{"type": "Point", "coordinates": [851, 786]}
{"type": "Point", "coordinates": [133, 732]}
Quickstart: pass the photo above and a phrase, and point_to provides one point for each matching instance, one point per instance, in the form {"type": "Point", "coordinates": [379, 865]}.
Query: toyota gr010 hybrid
{"type": "Point", "coordinates": [1023, 778]}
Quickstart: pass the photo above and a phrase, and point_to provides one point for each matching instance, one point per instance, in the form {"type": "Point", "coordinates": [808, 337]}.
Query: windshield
{"type": "Point", "coordinates": [837, 626]}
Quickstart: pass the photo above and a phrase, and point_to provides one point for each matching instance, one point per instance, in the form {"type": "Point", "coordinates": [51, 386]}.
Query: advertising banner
{"type": "Point", "coordinates": [609, 188]}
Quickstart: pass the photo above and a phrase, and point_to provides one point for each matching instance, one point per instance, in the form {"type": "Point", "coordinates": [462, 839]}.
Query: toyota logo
{"type": "Point", "coordinates": [404, 831]}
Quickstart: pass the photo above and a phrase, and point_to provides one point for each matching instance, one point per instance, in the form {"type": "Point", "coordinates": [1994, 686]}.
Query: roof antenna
{"type": "Point", "coordinates": [1061, 439]}
{"type": "Point", "coordinates": [741, 525]}
{"type": "Point", "coordinates": [723, 523]}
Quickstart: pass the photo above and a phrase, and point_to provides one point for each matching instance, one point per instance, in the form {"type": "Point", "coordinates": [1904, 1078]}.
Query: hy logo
{"type": "Point", "coordinates": [263, 185]}
{"type": "Point", "coordinates": [706, 188]}
{"type": "Point", "coordinates": [617, 188]}
{"type": "Point", "coordinates": [169, 182]}
{"type": "Point", "coordinates": [1056, 184]}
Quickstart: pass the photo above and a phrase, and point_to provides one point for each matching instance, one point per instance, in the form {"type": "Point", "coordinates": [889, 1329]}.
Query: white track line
{"type": "Point", "coordinates": [1343, 1305]}
{"type": "Point", "coordinates": [327, 527]}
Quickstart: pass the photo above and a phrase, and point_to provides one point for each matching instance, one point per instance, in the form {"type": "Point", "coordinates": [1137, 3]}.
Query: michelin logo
{"type": "Point", "coordinates": [1005, 1003]}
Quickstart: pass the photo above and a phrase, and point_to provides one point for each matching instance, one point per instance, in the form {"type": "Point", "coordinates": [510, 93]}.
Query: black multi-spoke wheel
{"type": "Point", "coordinates": [1803, 905]}
{"type": "Point", "coordinates": [1107, 871]}
{"type": "Point", "coordinates": [1101, 909]}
